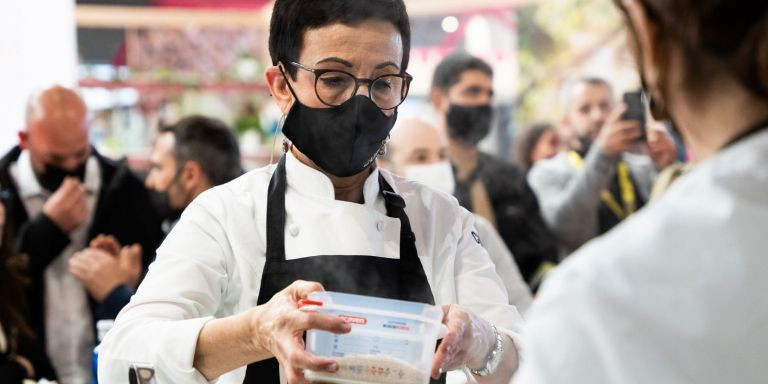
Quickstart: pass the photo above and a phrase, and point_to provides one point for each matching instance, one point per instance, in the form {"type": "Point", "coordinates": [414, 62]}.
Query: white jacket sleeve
{"type": "Point", "coordinates": [517, 290]}
{"type": "Point", "coordinates": [180, 293]}
{"type": "Point", "coordinates": [478, 287]}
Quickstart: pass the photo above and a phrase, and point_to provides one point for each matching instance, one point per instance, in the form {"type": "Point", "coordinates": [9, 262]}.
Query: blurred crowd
{"type": "Point", "coordinates": [83, 228]}
{"type": "Point", "coordinates": [79, 230]}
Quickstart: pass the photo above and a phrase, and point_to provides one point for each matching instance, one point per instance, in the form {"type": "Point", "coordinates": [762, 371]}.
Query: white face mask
{"type": "Point", "coordinates": [437, 176]}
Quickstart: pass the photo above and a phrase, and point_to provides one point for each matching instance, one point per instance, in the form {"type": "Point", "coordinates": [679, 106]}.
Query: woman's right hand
{"type": "Point", "coordinates": [278, 327]}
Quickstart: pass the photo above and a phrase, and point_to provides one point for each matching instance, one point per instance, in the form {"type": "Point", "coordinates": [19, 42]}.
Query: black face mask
{"type": "Point", "coordinates": [469, 124]}
{"type": "Point", "coordinates": [341, 140]}
{"type": "Point", "coordinates": [52, 177]}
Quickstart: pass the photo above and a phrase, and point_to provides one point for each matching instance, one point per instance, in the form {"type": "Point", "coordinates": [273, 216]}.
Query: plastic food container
{"type": "Point", "coordinates": [391, 341]}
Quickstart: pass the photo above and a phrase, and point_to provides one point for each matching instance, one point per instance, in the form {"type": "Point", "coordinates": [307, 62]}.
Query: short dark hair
{"type": "Point", "coordinates": [291, 18]}
{"type": "Point", "coordinates": [449, 71]}
{"type": "Point", "coordinates": [210, 143]}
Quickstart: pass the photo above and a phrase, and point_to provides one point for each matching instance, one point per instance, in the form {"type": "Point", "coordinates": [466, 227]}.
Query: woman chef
{"type": "Point", "coordinates": [222, 294]}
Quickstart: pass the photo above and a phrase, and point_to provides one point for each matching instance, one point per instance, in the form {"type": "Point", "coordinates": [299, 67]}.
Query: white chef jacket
{"type": "Point", "coordinates": [210, 265]}
{"type": "Point", "coordinates": [676, 294]}
{"type": "Point", "coordinates": [517, 290]}
{"type": "Point", "coordinates": [68, 320]}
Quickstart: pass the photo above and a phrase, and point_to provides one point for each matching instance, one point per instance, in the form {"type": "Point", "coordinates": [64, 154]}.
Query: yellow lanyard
{"type": "Point", "coordinates": [625, 188]}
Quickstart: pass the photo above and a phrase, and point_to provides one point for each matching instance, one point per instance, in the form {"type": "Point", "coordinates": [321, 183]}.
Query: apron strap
{"type": "Point", "coordinates": [396, 208]}
{"type": "Point", "coordinates": [276, 213]}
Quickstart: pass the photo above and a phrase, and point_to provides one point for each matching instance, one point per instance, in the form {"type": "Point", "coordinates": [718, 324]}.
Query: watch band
{"type": "Point", "coordinates": [494, 358]}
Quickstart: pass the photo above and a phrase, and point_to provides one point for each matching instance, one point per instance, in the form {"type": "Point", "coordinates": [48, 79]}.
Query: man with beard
{"type": "Point", "coordinates": [61, 195]}
{"type": "Point", "coordinates": [462, 92]}
{"type": "Point", "coordinates": [586, 191]}
{"type": "Point", "coordinates": [189, 157]}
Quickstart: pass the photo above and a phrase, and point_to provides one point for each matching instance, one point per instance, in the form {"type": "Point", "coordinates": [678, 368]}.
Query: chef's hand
{"type": "Point", "coordinates": [469, 341]}
{"type": "Point", "coordinates": [279, 325]}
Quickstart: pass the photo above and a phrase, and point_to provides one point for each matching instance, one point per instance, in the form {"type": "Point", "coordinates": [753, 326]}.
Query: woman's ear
{"type": "Point", "coordinates": [278, 88]}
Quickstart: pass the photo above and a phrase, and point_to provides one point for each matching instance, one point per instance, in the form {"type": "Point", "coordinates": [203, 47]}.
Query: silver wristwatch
{"type": "Point", "coordinates": [494, 358]}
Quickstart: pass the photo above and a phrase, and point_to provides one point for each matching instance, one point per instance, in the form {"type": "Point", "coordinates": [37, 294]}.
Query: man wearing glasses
{"type": "Point", "coordinates": [220, 302]}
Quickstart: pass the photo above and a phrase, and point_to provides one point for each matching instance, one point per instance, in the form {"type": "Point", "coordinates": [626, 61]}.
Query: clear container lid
{"type": "Point", "coordinates": [329, 300]}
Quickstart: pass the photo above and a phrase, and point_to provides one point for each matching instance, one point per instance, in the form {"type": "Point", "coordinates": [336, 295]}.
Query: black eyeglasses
{"type": "Point", "coordinates": [334, 87]}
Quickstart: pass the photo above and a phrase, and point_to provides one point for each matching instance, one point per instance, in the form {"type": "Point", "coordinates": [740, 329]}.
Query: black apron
{"type": "Point", "coordinates": [400, 279]}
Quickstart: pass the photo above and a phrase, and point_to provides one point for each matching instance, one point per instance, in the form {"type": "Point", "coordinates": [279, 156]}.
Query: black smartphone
{"type": "Point", "coordinates": [635, 110]}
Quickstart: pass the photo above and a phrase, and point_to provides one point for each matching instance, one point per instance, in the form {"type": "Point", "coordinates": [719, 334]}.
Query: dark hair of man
{"type": "Point", "coordinates": [527, 142]}
{"type": "Point", "coordinates": [291, 18]}
{"type": "Point", "coordinates": [210, 143]}
{"type": "Point", "coordinates": [448, 72]}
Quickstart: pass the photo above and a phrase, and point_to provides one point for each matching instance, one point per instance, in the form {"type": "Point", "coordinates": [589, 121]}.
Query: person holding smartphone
{"type": "Point", "coordinates": [600, 180]}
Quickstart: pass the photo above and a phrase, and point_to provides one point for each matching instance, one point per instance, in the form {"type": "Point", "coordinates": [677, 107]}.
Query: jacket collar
{"type": "Point", "coordinates": [309, 181]}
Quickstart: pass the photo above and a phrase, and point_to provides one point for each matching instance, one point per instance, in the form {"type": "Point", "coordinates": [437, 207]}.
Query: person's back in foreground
{"type": "Point", "coordinates": [676, 293]}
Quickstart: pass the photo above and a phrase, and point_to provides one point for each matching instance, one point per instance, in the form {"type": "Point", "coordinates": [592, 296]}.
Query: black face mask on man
{"type": "Point", "coordinates": [52, 176]}
{"type": "Point", "coordinates": [342, 140]}
{"type": "Point", "coordinates": [469, 124]}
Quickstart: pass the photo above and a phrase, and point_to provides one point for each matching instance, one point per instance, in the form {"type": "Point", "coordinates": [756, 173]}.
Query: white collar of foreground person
{"type": "Point", "coordinates": [211, 263]}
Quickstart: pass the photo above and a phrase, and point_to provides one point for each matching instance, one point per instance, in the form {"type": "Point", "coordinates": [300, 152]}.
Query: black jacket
{"type": "Point", "coordinates": [517, 213]}
{"type": "Point", "coordinates": [11, 372]}
{"type": "Point", "coordinates": [123, 209]}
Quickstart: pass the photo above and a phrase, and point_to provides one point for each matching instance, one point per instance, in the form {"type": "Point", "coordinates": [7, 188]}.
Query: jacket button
{"type": "Point", "coordinates": [380, 226]}
{"type": "Point", "coordinates": [293, 230]}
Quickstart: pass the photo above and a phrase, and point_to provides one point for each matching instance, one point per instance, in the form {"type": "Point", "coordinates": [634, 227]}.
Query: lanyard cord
{"type": "Point", "coordinates": [626, 188]}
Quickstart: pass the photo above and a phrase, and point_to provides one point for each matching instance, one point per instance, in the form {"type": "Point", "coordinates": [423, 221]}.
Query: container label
{"type": "Point", "coordinates": [397, 325]}
{"type": "Point", "coordinates": [354, 319]}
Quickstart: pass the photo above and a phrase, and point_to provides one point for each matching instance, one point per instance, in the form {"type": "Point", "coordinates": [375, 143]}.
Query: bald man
{"type": "Point", "coordinates": [63, 196]}
{"type": "Point", "coordinates": [418, 151]}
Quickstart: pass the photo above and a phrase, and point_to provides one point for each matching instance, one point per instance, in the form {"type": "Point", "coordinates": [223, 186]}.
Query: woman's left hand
{"type": "Point", "coordinates": [469, 341]}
